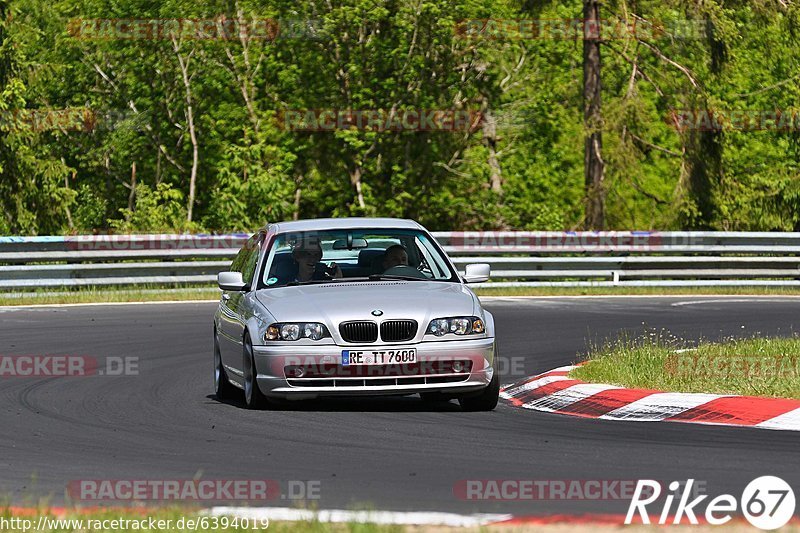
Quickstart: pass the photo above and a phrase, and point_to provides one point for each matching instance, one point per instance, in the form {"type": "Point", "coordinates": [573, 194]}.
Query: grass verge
{"type": "Point", "coordinates": [102, 521]}
{"type": "Point", "coordinates": [637, 291]}
{"type": "Point", "coordinates": [750, 367]}
{"type": "Point", "coordinates": [143, 294]}
{"type": "Point", "coordinates": [155, 294]}
{"type": "Point", "coordinates": [166, 520]}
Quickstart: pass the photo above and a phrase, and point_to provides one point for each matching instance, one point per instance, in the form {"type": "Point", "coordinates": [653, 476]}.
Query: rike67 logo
{"type": "Point", "coordinates": [767, 502]}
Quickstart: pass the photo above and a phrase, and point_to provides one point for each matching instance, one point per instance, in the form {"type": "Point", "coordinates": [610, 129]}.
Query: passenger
{"type": "Point", "coordinates": [395, 255]}
{"type": "Point", "coordinates": [307, 254]}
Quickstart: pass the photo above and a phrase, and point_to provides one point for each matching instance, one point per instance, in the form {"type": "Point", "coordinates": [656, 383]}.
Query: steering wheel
{"type": "Point", "coordinates": [405, 270]}
{"type": "Point", "coordinates": [423, 266]}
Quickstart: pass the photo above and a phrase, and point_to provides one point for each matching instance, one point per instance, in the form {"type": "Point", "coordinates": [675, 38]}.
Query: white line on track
{"type": "Point", "coordinates": [724, 299]}
{"type": "Point", "coordinates": [374, 517]}
{"type": "Point", "coordinates": [5, 308]}
{"type": "Point", "coordinates": [731, 300]}
{"type": "Point", "coordinates": [717, 297]}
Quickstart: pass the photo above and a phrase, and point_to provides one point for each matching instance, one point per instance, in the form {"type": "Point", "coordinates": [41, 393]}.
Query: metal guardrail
{"type": "Point", "coordinates": [518, 259]}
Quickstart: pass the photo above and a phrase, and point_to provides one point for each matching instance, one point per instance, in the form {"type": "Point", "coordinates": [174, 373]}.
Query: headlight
{"type": "Point", "coordinates": [439, 327]}
{"type": "Point", "coordinates": [459, 325]}
{"type": "Point", "coordinates": [291, 331]}
{"type": "Point", "coordinates": [314, 331]}
{"type": "Point", "coordinates": [273, 333]}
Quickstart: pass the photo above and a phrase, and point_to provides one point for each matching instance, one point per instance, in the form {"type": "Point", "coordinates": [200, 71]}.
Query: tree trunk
{"type": "Point", "coordinates": [158, 167]}
{"type": "Point", "coordinates": [355, 181]}
{"type": "Point", "coordinates": [705, 151]}
{"type": "Point", "coordinates": [132, 194]}
{"type": "Point", "coordinates": [298, 194]}
{"type": "Point", "coordinates": [593, 164]}
{"type": "Point", "coordinates": [490, 140]}
{"type": "Point", "coordinates": [66, 206]}
{"type": "Point", "coordinates": [703, 178]}
{"type": "Point", "coordinates": [184, 66]}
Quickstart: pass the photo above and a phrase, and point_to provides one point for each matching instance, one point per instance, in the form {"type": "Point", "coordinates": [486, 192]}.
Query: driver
{"type": "Point", "coordinates": [395, 255]}
{"type": "Point", "coordinates": [307, 254]}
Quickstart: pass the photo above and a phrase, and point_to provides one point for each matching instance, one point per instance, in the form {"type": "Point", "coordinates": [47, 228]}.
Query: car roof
{"type": "Point", "coordinates": [319, 224]}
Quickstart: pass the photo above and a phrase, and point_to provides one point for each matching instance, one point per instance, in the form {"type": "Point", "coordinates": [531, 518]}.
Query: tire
{"type": "Point", "coordinates": [223, 389]}
{"type": "Point", "coordinates": [253, 397]}
{"type": "Point", "coordinates": [485, 400]}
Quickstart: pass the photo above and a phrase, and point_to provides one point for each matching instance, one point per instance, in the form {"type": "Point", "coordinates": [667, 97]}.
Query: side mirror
{"type": "Point", "coordinates": [230, 281]}
{"type": "Point", "coordinates": [477, 273]}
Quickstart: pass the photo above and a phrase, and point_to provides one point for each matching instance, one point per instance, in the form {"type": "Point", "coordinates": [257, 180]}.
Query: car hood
{"type": "Point", "coordinates": [333, 303]}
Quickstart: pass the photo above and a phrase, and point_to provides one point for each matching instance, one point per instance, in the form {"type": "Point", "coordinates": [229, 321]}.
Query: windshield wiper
{"type": "Point", "coordinates": [310, 282]}
{"type": "Point", "coordinates": [380, 277]}
{"type": "Point", "coordinates": [373, 277]}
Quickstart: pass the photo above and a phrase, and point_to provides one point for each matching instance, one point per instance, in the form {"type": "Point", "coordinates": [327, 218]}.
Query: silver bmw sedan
{"type": "Point", "coordinates": [352, 306]}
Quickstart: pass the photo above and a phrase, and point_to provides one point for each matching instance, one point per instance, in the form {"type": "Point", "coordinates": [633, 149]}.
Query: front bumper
{"type": "Point", "coordinates": [271, 361]}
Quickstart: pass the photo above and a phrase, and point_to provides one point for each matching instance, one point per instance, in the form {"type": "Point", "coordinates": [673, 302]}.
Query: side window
{"type": "Point", "coordinates": [430, 264]}
{"type": "Point", "coordinates": [249, 266]}
{"type": "Point", "coordinates": [245, 261]}
{"type": "Point", "coordinates": [236, 264]}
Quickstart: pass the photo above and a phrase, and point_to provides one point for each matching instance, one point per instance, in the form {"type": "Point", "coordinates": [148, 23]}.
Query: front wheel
{"type": "Point", "coordinates": [485, 400]}
{"type": "Point", "coordinates": [253, 396]}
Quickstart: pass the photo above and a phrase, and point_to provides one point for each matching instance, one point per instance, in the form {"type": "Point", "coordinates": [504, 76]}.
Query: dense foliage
{"type": "Point", "coordinates": [179, 133]}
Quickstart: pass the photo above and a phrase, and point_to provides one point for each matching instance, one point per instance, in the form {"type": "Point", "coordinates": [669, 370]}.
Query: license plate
{"type": "Point", "coordinates": [379, 357]}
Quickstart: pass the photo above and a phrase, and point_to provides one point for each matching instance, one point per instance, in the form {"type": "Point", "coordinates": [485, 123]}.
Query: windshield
{"type": "Point", "coordinates": [364, 254]}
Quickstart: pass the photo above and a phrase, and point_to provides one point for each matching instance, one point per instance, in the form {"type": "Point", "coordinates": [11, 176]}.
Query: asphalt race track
{"type": "Point", "coordinates": [392, 454]}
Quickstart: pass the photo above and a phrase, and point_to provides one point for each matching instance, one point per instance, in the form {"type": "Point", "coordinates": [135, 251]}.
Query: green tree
{"type": "Point", "coordinates": [33, 182]}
